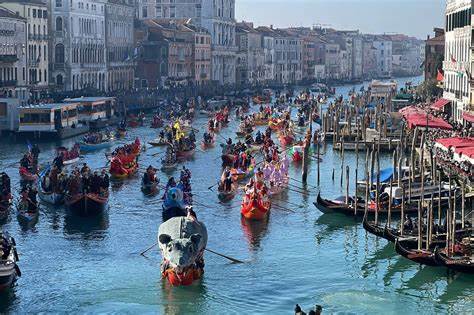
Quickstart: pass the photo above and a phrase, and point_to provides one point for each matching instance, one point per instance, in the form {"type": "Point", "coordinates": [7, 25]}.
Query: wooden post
{"type": "Point", "coordinates": [377, 193]}
{"type": "Point", "coordinates": [429, 225]}
{"type": "Point", "coordinates": [419, 225]}
{"type": "Point", "coordinates": [402, 214]}
{"type": "Point", "coordinates": [347, 185]}
{"type": "Point", "coordinates": [342, 159]}
{"type": "Point", "coordinates": [318, 147]}
{"type": "Point", "coordinates": [439, 198]}
{"type": "Point", "coordinates": [389, 219]}
{"type": "Point", "coordinates": [355, 193]}
{"type": "Point", "coordinates": [463, 202]}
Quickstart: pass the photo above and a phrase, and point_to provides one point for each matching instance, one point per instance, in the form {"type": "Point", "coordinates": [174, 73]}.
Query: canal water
{"type": "Point", "coordinates": [301, 256]}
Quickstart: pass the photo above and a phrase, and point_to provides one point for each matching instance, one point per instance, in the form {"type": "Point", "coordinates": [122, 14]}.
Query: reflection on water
{"type": "Point", "coordinates": [183, 300]}
{"type": "Point", "coordinates": [7, 299]}
{"type": "Point", "coordinates": [89, 228]}
{"type": "Point", "coordinates": [254, 231]}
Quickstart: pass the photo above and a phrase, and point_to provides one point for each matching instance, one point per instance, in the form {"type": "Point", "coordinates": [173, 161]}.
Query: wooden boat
{"type": "Point", "coordinates": [255, 209]}
{"type": "Point", "coordinates": [152, 189]}
{"type": "Point", "coordinates": [408, 248]}
{"type": "Point", "coordinates": [69, 156]}
{"type": "Point", "coordinates": [26, 215]}
{"type": "Point", "coordinates": [238, 174]}
{"type": "Point", "coordinates": [455, 262]}
{"type": "Point", "coordinates": [207, 145]}
{"type": "Point", "coordinates": [8, 266]}
{"type": "Point", "coordinates": [166, 167]}
{"type": "Point", "coordinates": [129, 170]}
{"type": "Point", "coordinates": [158, 142]}
{"type": "Point", "coordinates": [52, 198]}
{"type": "Point", "coordinates": [86, 204]}
{"type": "Point", "coordinates": [243, 133]}
{"type": "Point", "coordinates": [4, 209]}
{"type": "Point", "coordinates": [226, 196]}
{"type": "Point", "coordinates": [338, 205]}
{"type": "Point", "coordinates": [187, 154]}
{"type": "Point", "coordinates": [90, 147]}
{"type": "Point", "coordinates": [26, 175]}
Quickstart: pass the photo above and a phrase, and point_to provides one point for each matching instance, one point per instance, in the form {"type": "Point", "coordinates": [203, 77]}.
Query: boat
{"type": "Point", "coordinates": [26, 175]}
{"type": "Point", "coordinates": [8, 262]}
{"type": "Point", "coordinates": [182, 241]}
{"type": "Point", "coordinates": [69, 156]}
{"type": "Point", "coordinates": [207, 145]}
{"type": "Point", "coordinates": [408, 248]}
{"type": "Point", "coordinates": [255, 208]}
{"type": "Point", "coordinates": [27, 215]}
{"type": "Point", "coordinates": [228, 159]}
{"type": "Point", "coordinates": [185, 154]}
{"type": "Point", "coordinates": [456, 261]}
{"type": "Point", "coordinates": [121, 132]}
{"type": "Point", "coordinates": [226, 196]}
{"type": "Point", "coordinates": [4, 210]}
{"type": "Point", "coordinates": [90, 147]}
{"type": "Point", "coordinates": [151, 189]}
{"type": "Point", "coordinates": [123, 166]}
{"type": "Point", "coordinates": [53, 198]}
{"type": "Point", "coordinates": [239, 174]}
{"type": "Point", "coordinates": [87, 204]}
{"type": "Point", "coordinates": [158, 142]}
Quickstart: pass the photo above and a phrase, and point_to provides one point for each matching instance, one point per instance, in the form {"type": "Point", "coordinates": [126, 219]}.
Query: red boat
{"type": "Point", "coordinates": [187, 277]}
{"type": "Point", "coordinates": [255, 208]}
{"type": "Point", "coordinates": [26, 175]}
{"type": "Point", "coordinates": [123, 166]}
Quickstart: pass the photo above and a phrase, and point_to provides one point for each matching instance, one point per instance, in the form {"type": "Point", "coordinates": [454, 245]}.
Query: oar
{"type": "Point", "coordinates": [148, 249]}
{"type": "Point", "coordinates": [226, 257]}
{"type": "Point", "coordinates": [282, 208]}
{"type": "Point", "coordinates": [303, 183]}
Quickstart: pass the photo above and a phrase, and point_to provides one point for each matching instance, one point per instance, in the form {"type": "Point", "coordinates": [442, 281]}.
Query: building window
{"type": "Point", "coordinates": [59, 53]}
{"type": "Point", "coordinates": [59, 24]}
{"type": "Point", "coordinates": [59, 3]}
{"type": "Point", "coordinates": [144, 12]}
{"type": "Point", "coordinates": [59, 79]}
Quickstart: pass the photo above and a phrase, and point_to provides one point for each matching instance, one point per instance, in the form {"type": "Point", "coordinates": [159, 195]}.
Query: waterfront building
{"type": "Point", "coordinates": [96, 112]}
{"type": "Point", "coordinates": [37, 51]}
{"type": "Point", "coordinates": [13, 65]}
{"type": "Point", "coordinates": [457, 63]}
{"type": "Point", "coordinates": [369, 59]}
{"type": "Point", "coordinates": [268, 45]}
{"type": "Point", "coordinates": [119, 18]}
{"type": "Point", "coordinates": [250, 58]}
{"type": "Point", "coordinates": [332, 61]}
{"type": "Point", "coordinates": [202, 54]}
{"type": "Point", "coordinates": [78, 45]}
{"type": "Point", "coordinates": [9, 114]}
{"type": "Point", "coordinates": [218, 17]}
{"type": "Point", "coordinates": [383, 55]}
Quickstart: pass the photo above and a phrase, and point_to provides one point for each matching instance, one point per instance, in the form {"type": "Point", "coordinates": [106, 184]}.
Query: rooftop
{"type": "Point", "coordinates": [88, 99]}
{"type": "Point", "coordinates": [46, 106]}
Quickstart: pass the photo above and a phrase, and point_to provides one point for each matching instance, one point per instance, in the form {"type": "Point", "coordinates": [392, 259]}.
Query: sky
{"type": "Point", "coordinates": [411, 17]}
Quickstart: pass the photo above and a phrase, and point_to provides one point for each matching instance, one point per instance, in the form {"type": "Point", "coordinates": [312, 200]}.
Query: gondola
{"type": "Point", "coordinates": [226, 196]}
{"type": "Point", "coordinates": [408, 248]}
{"type": "Point", "coordinates": [26, 175]}
{"type": "Point", "coordinates": [151, 189]}
{"type": "Point", "coordinates": [185, 154]}
{"type": "Point", "coordinates": [458, 262]}
{"type": "Point", "coordinates": [90, 147]}
{"type": "Point", "coordinates": [8, 263]}
{"type": "Point", "coordinates": [86, 204]}
{"type": "Point", "coordinates": [159, 142]}
{"type": "Point", "coordinates": [255, 209]}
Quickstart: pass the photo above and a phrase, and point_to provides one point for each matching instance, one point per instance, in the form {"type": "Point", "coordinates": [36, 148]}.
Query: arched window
{"type": "Point", "coordinates": [59, 24]}
{"type": "Point", "coordinates": [59, 53]}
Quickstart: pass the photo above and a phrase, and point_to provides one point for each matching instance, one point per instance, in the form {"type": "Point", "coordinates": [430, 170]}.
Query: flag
{"type": "Point", "coordinates": [440, 76]}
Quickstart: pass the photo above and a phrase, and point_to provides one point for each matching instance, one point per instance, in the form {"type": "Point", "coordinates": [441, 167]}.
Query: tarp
{"type": "Point", "coordinates": [425, 120]}
{"type": "Point", "coordinates": [439, 104]}
{"type": "Point", "coordinates": [468, 117]}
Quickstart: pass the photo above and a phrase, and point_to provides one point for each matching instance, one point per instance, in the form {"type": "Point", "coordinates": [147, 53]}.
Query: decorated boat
{"type": "Point", "coordinates": [87, 204]}
{"type": "Point", "coordinates": [26, 175]}
{"type": "Point", "coordinates": [286, 139]}
{"type": "Point", "coordinates": [239, 174]}
{"type": "Point", "coordinates": [255, 208]}
{"type": "Point", "coordinates": [182, 241]}
{"type": "Point", "coordinates": [9, 269]}
{"type": "Point", "coordinates": [123, 166]}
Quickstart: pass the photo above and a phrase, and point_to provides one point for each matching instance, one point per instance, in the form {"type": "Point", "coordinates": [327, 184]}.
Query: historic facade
{"type": "Point", "coordinates": [78, 45]}
{"type": "Point", "coordinates": [119, 17]}
{"type": "Point", "coordinates": [36, 14]}
{"type": "Point", "coordinates": [13, 55]}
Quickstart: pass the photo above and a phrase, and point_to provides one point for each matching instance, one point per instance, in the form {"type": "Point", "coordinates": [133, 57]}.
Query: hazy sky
{"type": "Point", "coordinates": [411, 17]}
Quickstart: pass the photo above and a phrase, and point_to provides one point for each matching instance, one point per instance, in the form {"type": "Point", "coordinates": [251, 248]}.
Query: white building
{"type": "Point", "coordinates": [13, 66]}
{"type": "Point", "coordinates": [36, 14]}
{"type": "Point", "coordinates": [383, 57]}
{"type": "Point", "coordinates": [78, 48]}
{"type": "Point", "coordinates": [218, 17]}
{"type": "Point", "coordinates": [457, 56]}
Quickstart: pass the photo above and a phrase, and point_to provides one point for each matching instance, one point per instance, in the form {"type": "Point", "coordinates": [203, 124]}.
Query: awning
{"type": "Point", "coordinates": [427, 121]}
{"type": "Point", "coordinates": [439, 104]}
{"type": "Point", "coordinates": [456, 142]}
{"type": "Point", "coordinates": [468, 117]}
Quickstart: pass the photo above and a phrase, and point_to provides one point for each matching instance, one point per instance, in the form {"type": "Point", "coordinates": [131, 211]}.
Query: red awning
{"type": "Point", "coordinates": [469, 151]}
{"type": "Point", "coordinates": [412, 109]}
{"type": "Point", "coordinates": [439, 104]}
{"type": "Point", "coordinates": [425, 120]}
{"type": "Point", "coordinates": [468, 117]}
{"type": "Point", "coordinates": [456, 142]}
